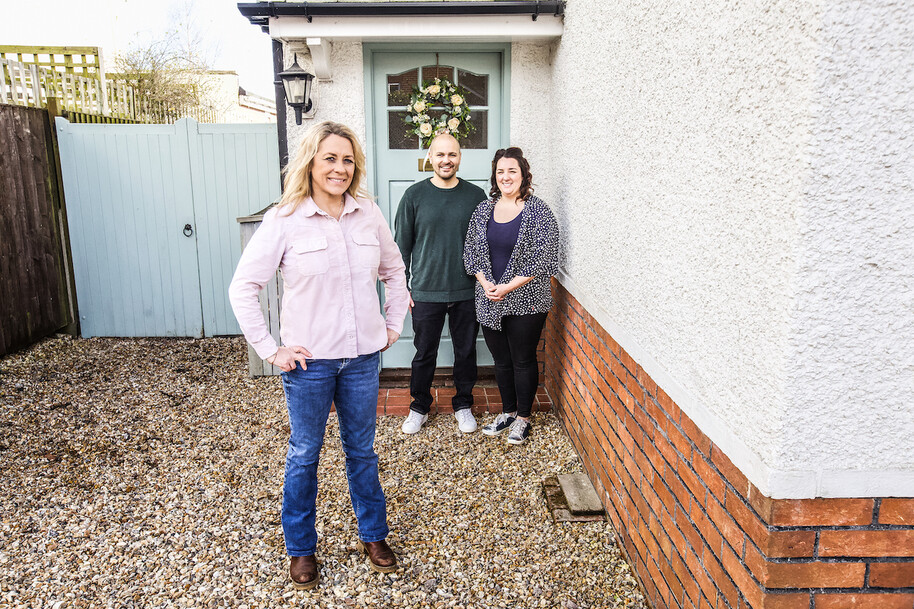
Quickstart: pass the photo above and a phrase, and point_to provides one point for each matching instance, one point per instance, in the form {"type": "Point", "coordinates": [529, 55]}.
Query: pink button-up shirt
{"type": "Point", "coordinates": [330, 270]}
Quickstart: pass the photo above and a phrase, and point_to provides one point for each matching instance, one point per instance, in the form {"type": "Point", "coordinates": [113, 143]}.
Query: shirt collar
{"type": "Point", "coordinates": [350, 204]}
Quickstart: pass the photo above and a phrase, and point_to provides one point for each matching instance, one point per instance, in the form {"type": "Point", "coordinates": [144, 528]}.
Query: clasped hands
{"type": "Point", "coordinates": [285, 357]}
{"type": "Point", "coordinates": [494, 292]}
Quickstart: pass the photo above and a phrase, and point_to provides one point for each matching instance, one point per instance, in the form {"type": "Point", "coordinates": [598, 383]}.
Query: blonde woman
{"type": "Point", "coordinates": [332, 244]}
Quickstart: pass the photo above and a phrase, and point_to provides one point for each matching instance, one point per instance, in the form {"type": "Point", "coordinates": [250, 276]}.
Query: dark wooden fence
{"type": "Point", "coordinates": [35, 294]}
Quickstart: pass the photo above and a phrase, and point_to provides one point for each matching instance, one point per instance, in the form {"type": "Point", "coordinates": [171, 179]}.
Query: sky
{"type": "Point", "coordinates": [232, 42]}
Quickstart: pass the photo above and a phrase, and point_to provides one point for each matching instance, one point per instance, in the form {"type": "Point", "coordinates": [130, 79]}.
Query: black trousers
{"type": "Point", "coordinates": [428, 322]}
{"type": "Point", "coordinates": [516, 369]}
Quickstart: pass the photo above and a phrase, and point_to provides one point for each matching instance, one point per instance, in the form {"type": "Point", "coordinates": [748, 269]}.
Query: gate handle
{"type": "Point", "coordinates": [188, 230]}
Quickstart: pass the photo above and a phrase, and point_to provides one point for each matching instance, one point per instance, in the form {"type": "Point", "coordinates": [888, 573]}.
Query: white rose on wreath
{"type": "Point", "coordinates": [439, 95]}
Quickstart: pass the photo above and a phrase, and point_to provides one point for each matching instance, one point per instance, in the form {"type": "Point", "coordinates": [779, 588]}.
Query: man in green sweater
{"type": "Point", "coordinates": [430, 228]}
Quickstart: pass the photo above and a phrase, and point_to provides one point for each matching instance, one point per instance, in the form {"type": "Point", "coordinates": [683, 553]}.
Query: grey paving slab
{"type": "Point", "coordinates": [581, 496]}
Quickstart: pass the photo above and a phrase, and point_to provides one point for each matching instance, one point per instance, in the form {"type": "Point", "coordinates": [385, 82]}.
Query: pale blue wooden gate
{"type": "Point", "coordinates": [152, 216]}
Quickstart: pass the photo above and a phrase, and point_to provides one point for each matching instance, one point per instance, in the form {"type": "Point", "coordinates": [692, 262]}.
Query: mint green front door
{"type": "Point", "coordinates": [396, 155]}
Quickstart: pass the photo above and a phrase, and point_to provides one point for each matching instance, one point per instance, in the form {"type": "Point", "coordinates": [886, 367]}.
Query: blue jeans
{"type": "Point", "coordinates": [352, 385]}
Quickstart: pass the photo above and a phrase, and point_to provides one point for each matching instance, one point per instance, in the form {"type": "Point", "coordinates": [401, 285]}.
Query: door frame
{"type": "Point", "coordinates": [370, 49]}
{"type": "Point", "coordinates": [368, 52]}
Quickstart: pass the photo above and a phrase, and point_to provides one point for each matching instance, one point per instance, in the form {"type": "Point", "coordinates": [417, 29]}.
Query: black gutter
{"type": "Point", "coordinates": [259, 13]}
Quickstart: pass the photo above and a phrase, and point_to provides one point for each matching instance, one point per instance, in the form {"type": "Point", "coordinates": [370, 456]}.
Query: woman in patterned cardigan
{"type": "Point", "coordinates": [512, 247]}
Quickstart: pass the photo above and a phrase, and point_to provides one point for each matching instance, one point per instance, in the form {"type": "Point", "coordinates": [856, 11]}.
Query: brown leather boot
{"type": "Point", "coordinates": [380, 557]}
{"type": "Point", "coordinates": [304, 572]}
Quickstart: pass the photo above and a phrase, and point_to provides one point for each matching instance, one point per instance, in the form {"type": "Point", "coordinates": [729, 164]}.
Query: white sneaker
{"type": "Point", "coordinates": [413, 422]}
{"type": "Point", "coordinates": [465, 420]}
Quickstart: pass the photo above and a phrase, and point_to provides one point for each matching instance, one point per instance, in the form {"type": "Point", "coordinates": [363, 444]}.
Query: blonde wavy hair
{"type": "Point", "coordinates": [297, 183]}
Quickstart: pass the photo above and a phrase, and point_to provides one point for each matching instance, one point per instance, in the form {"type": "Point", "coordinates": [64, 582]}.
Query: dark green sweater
{"type": "Point", "coordinates": [430, 229]}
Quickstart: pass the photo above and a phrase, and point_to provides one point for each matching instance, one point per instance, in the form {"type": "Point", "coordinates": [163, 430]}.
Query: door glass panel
{"type": "Point", "coordinates": [430, 73]}
{"type": "Point", "coordinates": [398, 135]}
{"type": "Point", "coordinates": [480, 137]}
{"type": "Point", "coordinates": [400, 87]}
{"type": "Point", "coordinates": [477, 86]}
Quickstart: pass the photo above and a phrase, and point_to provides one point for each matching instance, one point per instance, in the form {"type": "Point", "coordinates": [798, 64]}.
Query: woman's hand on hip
{"type": "Point", "coordinates": [285, 358]}
{"type": "Point", "coordinates": [391, 338]}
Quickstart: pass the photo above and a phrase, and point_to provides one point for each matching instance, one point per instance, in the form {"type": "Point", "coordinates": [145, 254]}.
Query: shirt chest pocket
{"type": "Point", "coordinates": [309, 255]}
{"type": "Point", "coordinates": [366, 250]}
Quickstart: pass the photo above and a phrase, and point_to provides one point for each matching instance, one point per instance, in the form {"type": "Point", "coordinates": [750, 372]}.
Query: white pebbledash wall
{"type": "Point", "coordinates": [736, 187]}
{"type": "Point", "coordinates": [342, 99]}
{"type": "Point", "coordinates": [850, 388]}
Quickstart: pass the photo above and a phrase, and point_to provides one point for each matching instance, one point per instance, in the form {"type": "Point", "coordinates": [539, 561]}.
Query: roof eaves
{"type": "Point", "coordinates": [259, 13]}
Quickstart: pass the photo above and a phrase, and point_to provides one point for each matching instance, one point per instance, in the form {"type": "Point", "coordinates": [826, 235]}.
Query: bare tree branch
{"type": "Point", "coordinates": [171, 71]}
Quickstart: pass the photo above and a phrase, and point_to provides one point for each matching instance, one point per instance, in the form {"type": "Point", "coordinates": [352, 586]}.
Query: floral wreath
{"type": "Point", "coordinates": [447, 102]}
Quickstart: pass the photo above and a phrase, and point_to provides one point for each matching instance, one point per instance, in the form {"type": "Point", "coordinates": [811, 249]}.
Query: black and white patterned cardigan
{"type": "Point", "coordinates": [536, 254]}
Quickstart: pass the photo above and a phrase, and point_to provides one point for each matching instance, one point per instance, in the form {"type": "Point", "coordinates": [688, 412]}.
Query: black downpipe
{"type": "Point", "coordinates": [280, 95]}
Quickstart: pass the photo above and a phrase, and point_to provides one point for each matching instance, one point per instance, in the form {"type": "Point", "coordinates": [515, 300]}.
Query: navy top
{"type": "Point", "coordinates": [501, 238]}
{"type": "Point", "coordinates": [535, 255]}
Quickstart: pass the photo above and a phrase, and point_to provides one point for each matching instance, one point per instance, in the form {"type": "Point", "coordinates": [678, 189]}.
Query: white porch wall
{"type": "Point", "coordinates": [341, 100]}
{"type": "Point", "coordinates": [735, 191]}
{"type": "Point", "coordinates": [532, 113]}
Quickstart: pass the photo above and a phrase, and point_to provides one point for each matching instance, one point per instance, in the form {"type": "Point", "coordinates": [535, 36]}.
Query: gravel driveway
{"type": "Point", "coordinates": [148, 472]}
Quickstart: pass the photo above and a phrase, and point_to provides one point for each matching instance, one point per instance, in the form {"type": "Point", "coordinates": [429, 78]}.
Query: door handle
{"type": "Point", "coordinates": [188, 230]}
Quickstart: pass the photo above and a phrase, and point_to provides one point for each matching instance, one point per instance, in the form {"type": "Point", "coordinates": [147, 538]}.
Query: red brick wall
{"type": "Point", "coordinates": [697, 532]}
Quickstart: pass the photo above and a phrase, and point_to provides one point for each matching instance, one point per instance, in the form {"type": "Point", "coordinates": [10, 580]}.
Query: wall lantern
{"type": "Point", "coordinates": [297, 85]}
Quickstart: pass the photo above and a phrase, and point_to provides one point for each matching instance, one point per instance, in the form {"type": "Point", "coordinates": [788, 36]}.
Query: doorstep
{"type": "Point", "coordinates": [394, 399]}
{"type": "Point", "coordinates": [486, 400]}
{"type": "Point", "coordinates": [444, 377]}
